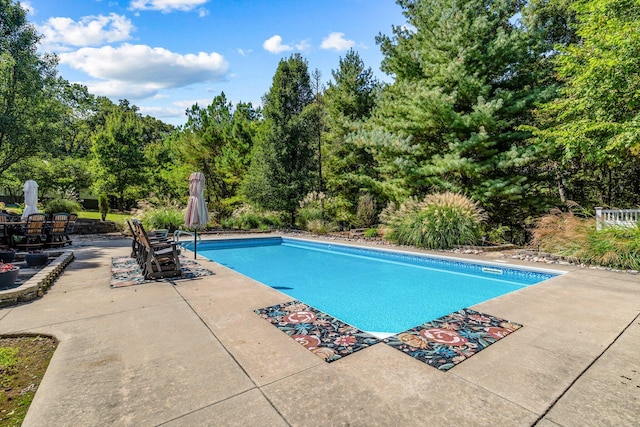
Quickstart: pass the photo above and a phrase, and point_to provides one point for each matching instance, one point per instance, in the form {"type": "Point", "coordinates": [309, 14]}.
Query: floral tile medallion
{"type": "Point", "coordinates": [326, 337]}
{"type": "Point", "coordinates": [125, 271]}
{"type": "Point", "coordinates": [449, 340]}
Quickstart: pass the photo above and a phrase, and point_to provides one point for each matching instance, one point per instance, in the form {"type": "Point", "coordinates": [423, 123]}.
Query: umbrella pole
{"type": "Point", "coordinates": [195, 244]}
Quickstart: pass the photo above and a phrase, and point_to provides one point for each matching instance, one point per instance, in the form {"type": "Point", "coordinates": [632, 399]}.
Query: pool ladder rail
{"type": "Point", "coordinates": [178, 233]}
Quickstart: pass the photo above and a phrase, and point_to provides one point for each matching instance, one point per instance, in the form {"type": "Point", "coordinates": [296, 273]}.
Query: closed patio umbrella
{"type": "Point", "coordinates": [30, 199]}
{"type": "Point", "coordinates": [197, 214]}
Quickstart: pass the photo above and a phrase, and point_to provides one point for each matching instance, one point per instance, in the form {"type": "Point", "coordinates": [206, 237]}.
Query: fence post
{"type": "Point", "coordinates": [598, 218]}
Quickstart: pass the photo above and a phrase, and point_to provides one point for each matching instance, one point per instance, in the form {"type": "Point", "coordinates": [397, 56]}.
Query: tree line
{"type": "Point", "coordinates": [519, 105]}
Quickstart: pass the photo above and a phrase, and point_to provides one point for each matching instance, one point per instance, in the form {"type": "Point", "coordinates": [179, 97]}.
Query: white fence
{"type": "Point", "coordinates": [617, 217]}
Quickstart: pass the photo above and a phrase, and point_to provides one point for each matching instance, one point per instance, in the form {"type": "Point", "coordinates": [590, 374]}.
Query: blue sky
{"type": "Point", "coordinates": [166, 55]}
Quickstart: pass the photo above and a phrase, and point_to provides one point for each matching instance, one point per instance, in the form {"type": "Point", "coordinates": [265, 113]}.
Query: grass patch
{"type": "Point", "coordinates": [112, 216]}
{"type": "Point", "coordinates": [23, 362]}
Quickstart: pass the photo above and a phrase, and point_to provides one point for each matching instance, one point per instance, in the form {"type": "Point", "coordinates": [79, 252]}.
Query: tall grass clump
{"type": "Point", "coordinates": [439, 221]}
{"type": "Point", "coordinates": [315, 212]}
{"type": "Point", "coordinates": [167, 215]}
{"type": "Point", "coordinates": [577, 239]}
{"type": "Point", "coordinates": [246, 217]}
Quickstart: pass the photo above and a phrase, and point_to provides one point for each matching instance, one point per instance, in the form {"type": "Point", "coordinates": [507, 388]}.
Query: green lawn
{"type": "Point", "coordinates": [115, 217]}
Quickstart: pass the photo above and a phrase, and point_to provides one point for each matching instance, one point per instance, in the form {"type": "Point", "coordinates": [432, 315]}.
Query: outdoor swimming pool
{"type": "Point", "coordinates": [375, 290]}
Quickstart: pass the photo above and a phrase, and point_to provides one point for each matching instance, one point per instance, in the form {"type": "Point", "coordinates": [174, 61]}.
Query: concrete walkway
{"type": "Point", "coordinates": [195, 354]}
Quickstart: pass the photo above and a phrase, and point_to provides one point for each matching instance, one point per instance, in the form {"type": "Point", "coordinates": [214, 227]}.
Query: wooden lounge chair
{"type": "Point", "coordinates": [159, 259]}
{"type": "Point", "coordinates": [136, 228]}
{"type": "Point", "coordinates": [57, 230]}
{"type": "Point", "coordinates": [69, 229]}
{"type": "Point", "coordinates": [32, 235]}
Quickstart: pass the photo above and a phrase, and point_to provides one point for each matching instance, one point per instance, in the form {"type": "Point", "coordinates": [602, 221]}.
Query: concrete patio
{"type": "Point", "coordinates": [196, 354]}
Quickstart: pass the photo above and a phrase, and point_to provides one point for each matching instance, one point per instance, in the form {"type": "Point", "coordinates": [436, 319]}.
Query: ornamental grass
{"type": "Point", "coordinates": [439, 221]}
{"type": "Point", "coordinates": [577, 239]}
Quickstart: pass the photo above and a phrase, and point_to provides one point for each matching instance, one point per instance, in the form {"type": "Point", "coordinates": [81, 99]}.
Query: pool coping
{"type": "Point", "coordinates": [398, 249]}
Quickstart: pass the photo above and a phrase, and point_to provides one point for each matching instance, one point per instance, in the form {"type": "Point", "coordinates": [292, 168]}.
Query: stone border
{"type": "Point", "coordinates": [37, 285]}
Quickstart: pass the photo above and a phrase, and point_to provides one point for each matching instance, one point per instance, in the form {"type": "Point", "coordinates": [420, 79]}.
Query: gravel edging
{"type": "Point", "coordinates": [37, 285]}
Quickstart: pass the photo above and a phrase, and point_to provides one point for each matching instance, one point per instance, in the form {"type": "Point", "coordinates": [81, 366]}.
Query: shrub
{"type": "Point", "coordinates": [311, 209]}
{"type": "Point", "coordinates": [247, 217]}
{"type": "Point", "coordinates": [439, 221]}
{"type": "Point", "coordinates": [371, 233]}
{"type": "Point", "coordinates": [160, 214]}
{"type": "Point", "coordinates": [163, 218]}
{"type": "Point", "coordinates": [321, 226]}
{"type": "Point", "coordinates": [103, 206]}
{"type": "Point", "coordinates": [366, 212]}
{"type": "Point", "coordinates": [578, 240]}
{"type": "Point", "coordinates": [62, 205]}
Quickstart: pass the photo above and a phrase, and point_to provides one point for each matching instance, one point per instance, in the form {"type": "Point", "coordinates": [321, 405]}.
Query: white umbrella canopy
{"type": "Point", "coordinates": [197, 214]}
{"type": "Point", "coordinates": [30, 199]}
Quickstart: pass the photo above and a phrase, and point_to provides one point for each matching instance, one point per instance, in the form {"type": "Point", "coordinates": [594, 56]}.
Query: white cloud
{"type": "Point", "coordinates": [89, 31]}
{"type": "Point", "coordinates": [166, 6]}
{"type": "Point", "coordinates": [162, 112]}
{"type": "Point", "coordinates": [303, 45]}
{"type": "Point", "coordinates": [274, 45]}
{"type": "Point", "coordinates": [337, 42]}
{"type": "Point", "coordinates": [26, 5]}
{"type": "Point", "coordinates": [188, 103]}
{"type": "Point", "coordinates": [139, 71]}
{"type": "Point", "coordinates": [244, 52]}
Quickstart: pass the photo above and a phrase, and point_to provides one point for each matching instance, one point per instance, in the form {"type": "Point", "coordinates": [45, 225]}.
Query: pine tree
{"type": "Point", "coordinates": [349, 100]}
{"type": "Point", "coordinates": [466, 77]}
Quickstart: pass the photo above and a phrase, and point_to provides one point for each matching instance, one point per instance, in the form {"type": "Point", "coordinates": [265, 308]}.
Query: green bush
{"type": "Point", "coordinates": [103, 206]}
{"type": "Point", "coordinates": [371, 233]}
{"type": "Point", "coordinates": [321, 226]}
{"type": "Point", "coordinates": [439, 221]}
{"type": "Point", "coordinates": [366, 212]}
{"type": "Point", "coordinates": [246, 218]}
{"type": "Point", "coordinates": [311, 210]}
{"type": "Point", "coordinates": [62, 205]}
{"type": "Point", "coordinates": [162, 218]}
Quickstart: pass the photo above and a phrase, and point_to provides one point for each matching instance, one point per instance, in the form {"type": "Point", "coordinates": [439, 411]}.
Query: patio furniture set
{"type": "Point", "coordinates": [37, 231]}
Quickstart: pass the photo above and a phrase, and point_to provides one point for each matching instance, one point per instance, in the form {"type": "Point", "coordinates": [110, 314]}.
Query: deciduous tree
{"type": "Point", "coordinates": [283, 168]}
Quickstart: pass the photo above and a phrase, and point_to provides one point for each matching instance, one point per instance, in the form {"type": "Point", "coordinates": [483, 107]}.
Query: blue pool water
{"type": "Point", "coordinates": [374, 290]}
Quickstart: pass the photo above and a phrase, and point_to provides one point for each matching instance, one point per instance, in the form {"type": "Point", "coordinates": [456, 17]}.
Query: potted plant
{"type": "Point", "coordinates": [8, 275]}
{"type": "Point", "coordinates": [7, 255]}
{"type": "Point", "coordinates": [36, 258]}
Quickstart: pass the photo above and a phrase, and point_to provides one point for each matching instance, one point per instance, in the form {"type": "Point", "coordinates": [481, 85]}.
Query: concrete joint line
{"type": "Point", "coordinates": [231, 356]}
{"type": "Point", "coordinates": [575, 380]}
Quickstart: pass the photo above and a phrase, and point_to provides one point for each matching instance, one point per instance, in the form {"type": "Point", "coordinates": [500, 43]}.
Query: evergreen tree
{"type": "Point", "coordinates": [349, 100]}
{"type": "Point", "coordinates": [466, 77]}
{"type": "Point", "coordinates": [217, 140]}
{"type": "Point", "coordinates": [283, 168]}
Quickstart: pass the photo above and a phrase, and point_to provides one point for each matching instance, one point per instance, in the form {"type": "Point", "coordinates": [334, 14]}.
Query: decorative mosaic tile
{"type": "Point", "coordinates": [449, 340]}
{"type": "Point", "coordinates": [125, 271]}
{"type": "Point", "coordinates": [326, 337]}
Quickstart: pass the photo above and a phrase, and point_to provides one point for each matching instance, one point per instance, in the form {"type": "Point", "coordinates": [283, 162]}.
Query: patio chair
{"type": "Point", "coordinates": [160, 259]}
{"type": "Point", "coordinates": [136, 228]}
{"type": "Point", "coordinates": [32, 235]}
{"type": "Point", "coordinates": [5, 219]}
{"type": "Point", "coordinates": [69, 228]}
{"type": "Point", "coordinates": [56, 232]}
